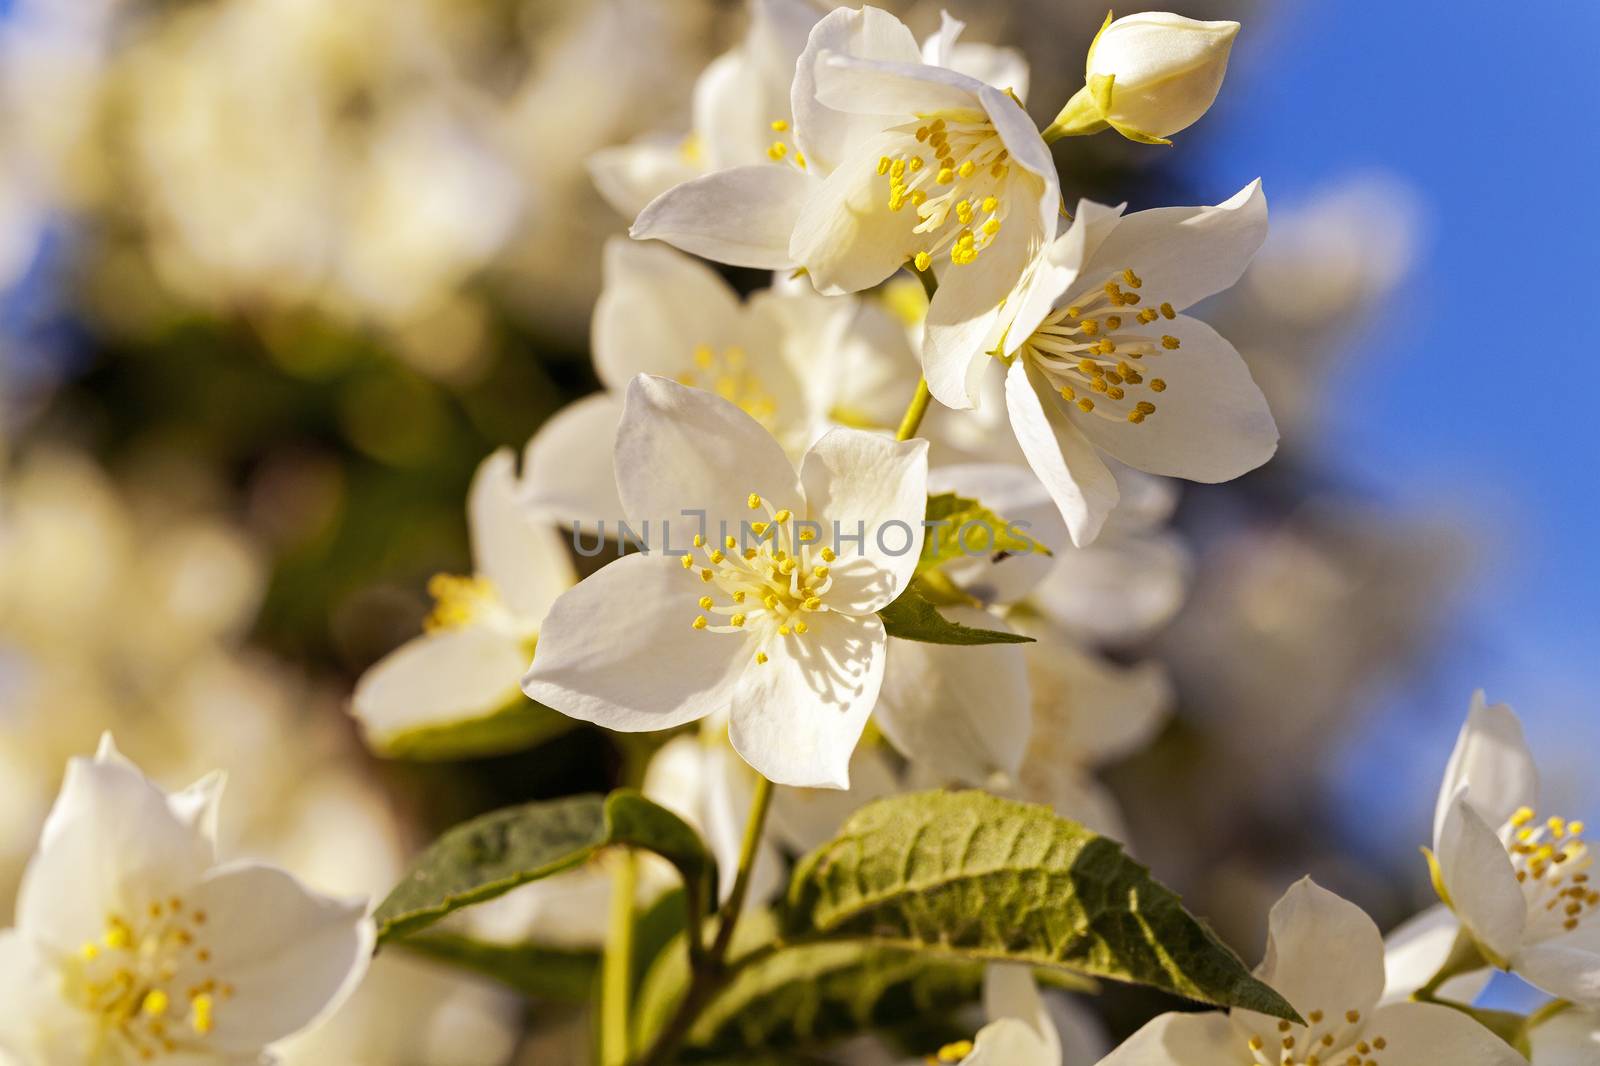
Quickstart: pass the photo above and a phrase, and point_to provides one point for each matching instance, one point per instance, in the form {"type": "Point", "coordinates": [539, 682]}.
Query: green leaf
{"type": "Point", "coordinates": [491, 855]}
{"type": "Point", "coordinates": [519, 725]}
{"type": "Point", "coordinates": [959, 527]}
{"type": "Point", "coordinates": [538, 972]}
{"type": "Point", "coordinates": [977, 876]}
{"type": "Point", "coordinates": [913, 617]}
{"type": "Point", "coordinates": [812, 993]}
{"type": "Point", "coordinates": [655, 928]}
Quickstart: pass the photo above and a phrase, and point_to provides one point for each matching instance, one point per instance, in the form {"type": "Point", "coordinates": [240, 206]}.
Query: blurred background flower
{"type": "Point", "coordinates": [276, 275]}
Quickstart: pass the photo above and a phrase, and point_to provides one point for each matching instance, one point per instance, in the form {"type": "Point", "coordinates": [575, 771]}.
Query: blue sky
{"type": "Point", "coordinates": [1478, 394]}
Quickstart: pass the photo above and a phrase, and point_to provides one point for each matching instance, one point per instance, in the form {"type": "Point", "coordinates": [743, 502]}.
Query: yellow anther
{"type": "Point", "coordinates": [1086, 405]}
{"type": "Point", "coordinates": [1115, 393]}
{"type": "Point", "coordinates": [918, 198]}
{"type": "Point", "coordinates": [736, 621]}
{"type": "Point", "coordinates": [758, 528]}
{"type": "Point", "coordinates": [1169, 342]}
{"type": "Point", "coordinates": [706, 603]}
{"type": "Point", "coordinates": [783, 631]}
{"type": "Point", "coordinates": [1158, 385]}
{"type": "Point", "coordinates": [1148, 315]}
{"type": "Point", "coordinates": [770, 601]}
{"type": "Point", "coordinates": [200, 1009]}
{"type": "Point", "coordinates": [738, 597]}
{"type": "Point", "coordinates": [699, 622]}
{"type": "Point", "coordinates": [916, 164]}
{"type": "Point", "coordinates": [1168, 312]}
{"type": "Point", "coordinates": [990, 203]}
{"type": "Point", "coordinates": [828, 555]}
{"type": "Point", "coordinates": [1133, 280]}
{"type": "Point", "coordinates": [705, 575]}
{"type": "Point", "coordinates": [730, 542]}
{"type": "Point", "coordinates": [1113, 322]}
{"type": "Point", "coordinates": [819, 572]}
{"type": "Point", "coordinates": [699, 541]}
{"type": "Point", "coordinates": [783, 516]}
{"type": "Point", "coordinates": [811, 603]}
{"type": "Point", "coordinates": [155, 1003]}
{"type": "Point", "coordinates": [808, 535]}
{"type": "Point", "coordinates": [716, 555]}
{"type": "Point", "coordinates": [954, 1052]}
{"type": "Point", "coordinates": [883, 164]}
{"type": "Point", "coordinates": [777, 150]}
{"type": "Point", "coordinates": [90, 951]}
{"type": "Point", "coordinates": [991, 227]}
{"type": "Point", "coordinates": [704, 356]}
{"type": "Point", "coordinates": [1089, 326]}
{"type": "Point", "coordinates": [787, 566]}
{"type": "Point", "coordinates": [998, 171]}
{"type": "Point", "coordinates": [1575, 828]}
{"type": "Point", "coordinates": [945, 176]}
{"type": "Point", "coordinates": [1136, 416]}
{"type": "Point", "coordinates": [923, 260]}
{"type": "Point", "coordinates": [801, 628]}
{"type": "Point", "coordinates": [1067, 393]}
{"type": "Point", "coordinates": [1146, 407]}
{"type": "Point", "coordinates": [761, 657]}
{"type": "Point", "coordinates": [752, 501]}
{"type": "Point", "coordinates": [118, 937]}
{"type": "Point", "coordinates": [779, 125]}
{"type": "Point", "coordinates": [800, 160]}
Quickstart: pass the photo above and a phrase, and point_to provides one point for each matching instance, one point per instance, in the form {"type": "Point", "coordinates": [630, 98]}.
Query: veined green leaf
{"type": "Point", "coordinates": [977, 876]}
{"type": "Point", "coordinates": [517, 726]}
{"type": "Point", "coordinates": [912, 616]}
{"type": "Point", "coordinates": [490, 855]}
{"type": "Point", "coordinates": [538, 972]}
{"type": "Point", "coordinates": [959, 526]}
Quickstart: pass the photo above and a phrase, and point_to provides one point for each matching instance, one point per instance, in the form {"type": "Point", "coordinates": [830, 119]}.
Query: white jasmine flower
{"type": "Point", "coordinates": [896, 160]}
{"type": "Point", "coordinates": [1150, 75]}
{"type": "Point", "coordinates": [1326, 957]}
{"type": "Point", "coordinates": [1030, 720]}
{"type": "Point", "coordinates": [1520, 884]}
{"type": "Point", "coordinates": [785, 358]}
{"type": "Point", "coordinates": [741, 113]}
{"type": "Point", "coordinates": [768, 616]}
{"type": "Point", "coordinates": [1099, 359]}
{"type": "Point", "coordinates": [133, 946]}
{"type": "Point", "coordinates": [1569, 1039]}
{"type": "Point", "coordinates": [482, 632]}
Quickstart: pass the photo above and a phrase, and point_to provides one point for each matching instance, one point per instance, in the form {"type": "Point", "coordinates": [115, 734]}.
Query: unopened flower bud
{"type": "Point", "coordinates": [1148, 76]}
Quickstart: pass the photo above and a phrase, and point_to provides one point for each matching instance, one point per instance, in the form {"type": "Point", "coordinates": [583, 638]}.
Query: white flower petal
{"type": "Point", "coordinates": [199, 805]}
{"type": "Point", "coordinates": [1066, 463]}
{"type": "Point", "coordinates": [291, 955]}
{"type": "Point", "coordinates": [1206, 1039]}
{"type": "Point", "coordinates": [862, 483]}
{"type": "Point", "coordinates": [1491, 757]}
{"type": "Point", "coordinates": [1478, 874]}
{"type": "Point", "coordinates": [955, 353]}
{"type": "Point", "coordinates": [111, 844]}
{"type": "Point", "coordinates": [1054, 274]}
{"type": "Point", "coordinates": [681, 449]}
{"type": "Point", "coordinates": [732, 111]}
{"type": "Point", "coordinates": [895, 90]}
{"type": "Point", "coordinates": [1009, 1042]}
{"type": "Point", "coordinates": [1119, 589]}
{"type": "Point", "coordinates": [1413, 953]}
{"type": "Point", "coordinates": [629, 176]}
{"type": "Point", "coordinates": [743, 216]}
{"type": "Point", "coordinates": [1211, 424]}
{"type": "Point", "coordinates": [37, 1025]}
{"type": "Point", "coordinates": [806, 818]}
{"type": "Point", "coordinates": [1184, 254]}
{"type": "Point", "coordinates": [1090, 707]}
{"type": "Point", "coordinates": [1569, 1039]}
{"type": "Point", "coordinates": [1009, 991]}
{"type": "Point", "coordinates": [1424, 1034]}
{"type": "Point", "coordinates": [729, 787]}
{"type": "Point", "coordinates": [958, 712]}
{"type": "Point", "coordinates": [440, 678]}
{"type": "Point", "coordinates": [845, 235]}
{"type": "Point", "coordinates": [1566, 966]}
{"type": "Point", "coordinates": [1323, 953]}
{"type": "Point", "coordinates": [618, 650]}
{"type": "Point", "coordinates": [1004, 68]}
{"type": "Point", "coordinates": [798, 716]}
{"type": "Point", "coordinates": [655, 307]}
{"type": "Point", "coordinates": [523, 558]}
{"type": "Point", "coordinates": [567, 467]}
{"type": "Point", "coordinates": [823, 134]}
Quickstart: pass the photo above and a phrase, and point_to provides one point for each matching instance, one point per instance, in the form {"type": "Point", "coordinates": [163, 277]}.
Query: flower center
{"type": "Point", "coordinates": [1552, 861]}
{"type": "Point", "coordinates": [727, 373]}
{"type": "Point", "coordinates": [953, 172]}
{"type": "Point", "coordinates": [1091, 350]}
{"type": "Point", "coordinates": [771, 586]}
{"type": "Point", "coordinates": [781, 150]}
{"type": "Point", "coordinates": [1337, 1039]}
{"type": "Point", "coordinates": [145, 979]}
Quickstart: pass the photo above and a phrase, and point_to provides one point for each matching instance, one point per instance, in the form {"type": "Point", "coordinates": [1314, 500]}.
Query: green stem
{"type": "Point", "coordinates": [754, 827]}
{"type": "Point", "coordinates": [1465, 957]}
{"type": "Point", "coordinates": [914, 411]}
{"type": "Point", "coordinates": [616, 962]}
{"type": "Point", "coordinates": [710, 971]}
